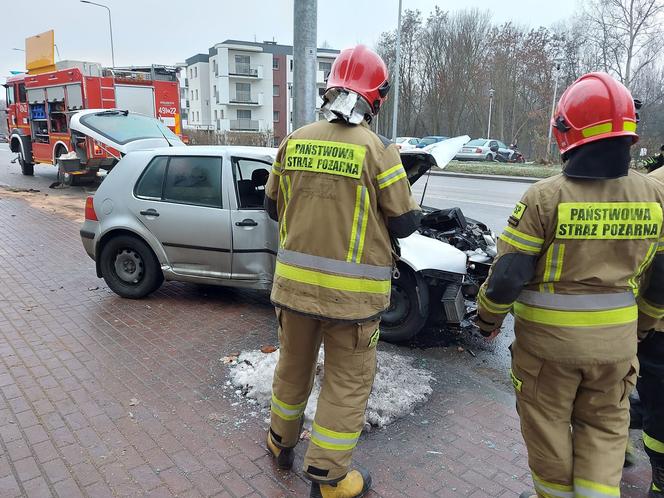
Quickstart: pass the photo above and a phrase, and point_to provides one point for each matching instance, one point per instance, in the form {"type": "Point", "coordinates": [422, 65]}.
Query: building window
{"type": "Point", "coordinates": [196, 94]}
{"type": "Point", "coordinates": [291, 64]}
{"type": "Point", "coordinates": [191, 72]}
{"type": "Point", "coordinates": [243, 64]}
{"type": "Point", "coordinates": [243, 92]}
{"type": "Point", "coordinates": [275, 63]}
{"type": "Point", "coordinates": [325, 66]}
{"type": "Point", "coordinates": [244, 114]}
{"type": "Point", "coordinates": [275, 90]}
{"type": "Point", "coordinates": [195, 71]}
{"type": "Point", "coordinates": [215, 67]}
{"type": "Point", "coordinates": [216, 115]}
{"type": "Point", "coordinates": [275, 116]}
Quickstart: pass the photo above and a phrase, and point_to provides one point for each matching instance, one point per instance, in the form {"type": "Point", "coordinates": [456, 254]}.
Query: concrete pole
{"type": "Point", "coordinates": [395, 91]}
{"type": "Point", "coordinates": [304, 62]}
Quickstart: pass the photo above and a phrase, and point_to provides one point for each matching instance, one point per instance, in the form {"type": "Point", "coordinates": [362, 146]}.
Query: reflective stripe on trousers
{"type": "Point", "coordinates": [332, 440]}
{"type": "Point", "coordinates": [653, 444]}
{"type": "Point", "coordinates": [551, 489]}
{"type": "Point", "coordinates": [581, 310]}
{"type": "Point", "coordinates": [287, 411]}
{"type": "Point", "coordinates": [590, 489]}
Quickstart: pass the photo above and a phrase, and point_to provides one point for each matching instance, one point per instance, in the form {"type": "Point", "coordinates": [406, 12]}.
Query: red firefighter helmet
{"type": "Point", "coordinates": [594, 107]}
{"type": "Point", "coordinates": [361, 70]}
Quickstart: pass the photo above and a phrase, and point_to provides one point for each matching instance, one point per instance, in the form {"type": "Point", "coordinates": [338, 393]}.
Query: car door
{"type": "Point", "coordinates": [255, 235]}
{"type": "Point", "coordinates": [179, 199]}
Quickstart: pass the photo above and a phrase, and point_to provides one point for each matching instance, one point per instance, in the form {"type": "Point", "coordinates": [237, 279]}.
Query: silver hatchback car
{"type": "Point", "coordinates": [199, 212]}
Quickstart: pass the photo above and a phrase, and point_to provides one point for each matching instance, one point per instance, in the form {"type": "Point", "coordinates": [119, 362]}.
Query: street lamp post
{"type": "Point", "coordinates": [553, 109]}
{"type": "Point", "coordinates": [110, 26]}
{"type": "Point", "coordinates": [488, 126]}
{"type": "Point", "coordinates": [397, 66]}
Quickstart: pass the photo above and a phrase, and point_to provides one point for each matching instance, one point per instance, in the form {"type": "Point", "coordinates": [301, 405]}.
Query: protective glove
{"type": "Point", "coordinates": [488, 330]}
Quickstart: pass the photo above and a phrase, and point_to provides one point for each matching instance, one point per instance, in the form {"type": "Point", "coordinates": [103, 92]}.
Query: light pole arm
{"type": "Point", "coordinates": [110, 26]}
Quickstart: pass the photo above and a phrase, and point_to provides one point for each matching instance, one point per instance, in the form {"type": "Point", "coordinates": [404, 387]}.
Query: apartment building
{"type": "Point", "coordinates": [183, 80]}
{"type": "Point", "coordinates": [198, 76]}
{"type": "Point", "coordinates": [249, 87]}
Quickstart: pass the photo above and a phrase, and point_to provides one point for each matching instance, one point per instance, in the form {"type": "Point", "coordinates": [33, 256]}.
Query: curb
{"type": "Point", "coordinates": [499, 178]}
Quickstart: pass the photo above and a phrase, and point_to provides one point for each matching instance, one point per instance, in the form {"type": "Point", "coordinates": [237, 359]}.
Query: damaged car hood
{"type": "Point", "coordinates": [417, 162]}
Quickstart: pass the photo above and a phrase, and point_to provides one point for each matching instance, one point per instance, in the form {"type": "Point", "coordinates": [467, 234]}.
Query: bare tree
{"type": "Point", "coordinates": [627, 34]}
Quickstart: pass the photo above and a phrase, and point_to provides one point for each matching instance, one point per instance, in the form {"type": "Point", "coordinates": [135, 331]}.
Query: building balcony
{"type": "Point", "coordinates": [245, 71]}
{"type": "Point", "coordinates": [244, 125]}
{"type": "Point", "coordinates": [245, 99]}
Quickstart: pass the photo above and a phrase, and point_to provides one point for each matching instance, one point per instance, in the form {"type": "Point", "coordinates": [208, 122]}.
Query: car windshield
{"type": "Point", "coordinates": [477, 141]}
{"type": "Point", "coordinates": [122, 127]}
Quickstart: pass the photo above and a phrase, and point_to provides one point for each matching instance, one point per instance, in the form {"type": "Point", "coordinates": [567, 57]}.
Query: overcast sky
{"type": "Point", "coordinates": [168, 31]}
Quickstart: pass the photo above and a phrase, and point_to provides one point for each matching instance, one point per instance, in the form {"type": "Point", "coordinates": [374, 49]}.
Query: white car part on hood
{"type": "Point", "coordinates": [445, 151]}
{"type": "Point", "coordinates": [137, 144]}
{"type": "Point", "coordinates": [422, 253]}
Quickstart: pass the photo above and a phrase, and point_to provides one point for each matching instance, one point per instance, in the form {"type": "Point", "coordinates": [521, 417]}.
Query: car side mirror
{"type": "Point", "coordinates": [494, 148]}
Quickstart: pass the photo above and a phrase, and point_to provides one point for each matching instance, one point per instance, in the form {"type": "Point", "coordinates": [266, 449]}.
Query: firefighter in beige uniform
{"type": "Point", "coordinates": [651, 379]}
{"type": "Point", "coordinates": [339, 192]}
{"type": "Point", "coordinates": [569, 267]}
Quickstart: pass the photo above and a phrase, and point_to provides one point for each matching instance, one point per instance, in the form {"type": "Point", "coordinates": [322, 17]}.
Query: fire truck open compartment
{"type": "Point", "coordinates": [40, 106]}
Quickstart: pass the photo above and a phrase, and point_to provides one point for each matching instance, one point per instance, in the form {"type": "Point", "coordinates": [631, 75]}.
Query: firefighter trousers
{"type": "Point", "coordinates": [575, 422]}
{"type": "Point", "coordinates": [349, 370]}
{"type": "Point", "coordinates": [651, 391]}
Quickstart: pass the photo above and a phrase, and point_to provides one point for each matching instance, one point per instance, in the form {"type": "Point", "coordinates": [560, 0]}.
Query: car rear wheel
{"type": "Point", "coordinates": [489, 157]}
{"type": "Point", "coordinates": [409, 307]}
{"type": "Point", "coordinates": [27, 168]}
{"type": "Point", "coordinates": [129, 267]}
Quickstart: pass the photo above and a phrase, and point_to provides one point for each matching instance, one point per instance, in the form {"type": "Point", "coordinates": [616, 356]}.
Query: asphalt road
{"type": "Point", "coordinates": [488, 201]}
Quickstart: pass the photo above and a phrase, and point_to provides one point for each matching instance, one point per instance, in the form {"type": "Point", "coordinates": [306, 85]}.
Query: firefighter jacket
{"type": "Point", "coordinates": [653, 316]}
{"type": "Point", "coordinates": [570, 265]}
{"type": "Point", "coordinates": [339, 192]}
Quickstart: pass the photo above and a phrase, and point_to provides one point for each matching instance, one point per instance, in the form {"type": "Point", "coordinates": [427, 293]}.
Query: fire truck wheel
{"type": "Point", "coordinates": [129, 267]}
{"type": "Point", "coordinates": [28, 169]}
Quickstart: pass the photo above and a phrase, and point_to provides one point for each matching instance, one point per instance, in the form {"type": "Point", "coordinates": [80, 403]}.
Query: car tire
{"type": "Point", "coordinates": [409, 307]}
{"type": "Point", "coordinates": [489, 157]}
{"type": "Point", "coordinates": [27, 168]}
{"type": "Point", "coordinates": [129, 267]}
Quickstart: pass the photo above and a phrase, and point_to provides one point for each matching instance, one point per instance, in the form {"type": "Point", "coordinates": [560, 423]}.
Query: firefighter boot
{"type": "Point", "coordinates": [355, 484]}
{"type": "Point", "coordinates": [657, 485]}
{"type": "Point", "coordinates": [283, 456]}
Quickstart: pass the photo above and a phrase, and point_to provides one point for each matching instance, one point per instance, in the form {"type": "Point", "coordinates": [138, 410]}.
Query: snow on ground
{"type": "Point", "coordinates": [399, 385]}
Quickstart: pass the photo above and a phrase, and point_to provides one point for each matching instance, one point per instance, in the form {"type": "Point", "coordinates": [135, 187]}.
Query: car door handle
{"type": "Point", "coordinates": [246, 223]}
{"type": "Point", "coordinates": [150, 212]}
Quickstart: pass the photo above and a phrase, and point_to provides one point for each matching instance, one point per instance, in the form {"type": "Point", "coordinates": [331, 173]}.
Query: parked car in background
{"type": "Point", "coordinates": [482, 149]}
{"type": "Point", "coordinates": [407, 143]}
{"type": "Point", "coordinates": [432, 139]}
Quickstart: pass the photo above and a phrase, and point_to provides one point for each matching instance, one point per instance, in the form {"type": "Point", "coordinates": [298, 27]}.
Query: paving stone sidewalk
{"type": "Point", "coordinates": [101, 396]}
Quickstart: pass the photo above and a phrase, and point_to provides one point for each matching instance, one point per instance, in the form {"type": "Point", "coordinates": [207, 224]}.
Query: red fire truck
{"type": "Point", "coordinates": [39, 107]}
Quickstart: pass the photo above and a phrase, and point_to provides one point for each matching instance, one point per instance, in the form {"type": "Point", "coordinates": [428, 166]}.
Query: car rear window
{"type": "Point", "coordinates": [476, 142]}
{"type": "Point", "coordinates": [182, 179]}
